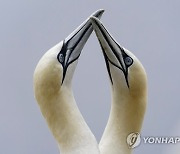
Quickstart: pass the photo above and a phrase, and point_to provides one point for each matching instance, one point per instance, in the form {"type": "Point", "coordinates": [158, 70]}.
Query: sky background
{"type": "Point", "coordinates": [150, 29]}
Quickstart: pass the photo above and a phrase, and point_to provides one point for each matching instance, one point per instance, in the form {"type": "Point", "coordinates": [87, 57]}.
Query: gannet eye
{"type": "Point", "coordinates": [128, 61]}
{"type": "Point", "coordinates": [61, 58]}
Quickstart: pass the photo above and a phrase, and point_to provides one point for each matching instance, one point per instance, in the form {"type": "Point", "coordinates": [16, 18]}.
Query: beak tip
{"type": "Point", "coordinates": [101, 11]}
{"type": "Point", "coordinates": [98, 13]}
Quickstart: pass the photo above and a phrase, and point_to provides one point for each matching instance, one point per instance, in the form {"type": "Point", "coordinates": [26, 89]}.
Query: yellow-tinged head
{"type": "Point", "coordinates": [129, 92]}
{"type": "Point", "coordinates": [53, 92]}
{"type": "Point", "coordinates": [125, 70]}
{"type": "Point", "coordinates": [55, 69]}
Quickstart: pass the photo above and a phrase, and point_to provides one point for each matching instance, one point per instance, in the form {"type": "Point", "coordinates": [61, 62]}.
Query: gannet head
{"type": "Point", "coordinates": [55, 69]}
{"type": "Point", "coordinates": [125, 70]}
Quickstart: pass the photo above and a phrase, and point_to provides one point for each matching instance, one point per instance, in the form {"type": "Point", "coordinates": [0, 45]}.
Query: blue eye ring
{"type": "Point", "coordinates": [61, 58]}
{"type": "Point", "coordinates": [128, 61]}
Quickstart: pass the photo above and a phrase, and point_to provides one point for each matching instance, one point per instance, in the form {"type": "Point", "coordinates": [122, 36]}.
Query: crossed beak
{"type": "Point", "coordinates": [113, 53]}
{"type": "Point", "coordinates": [74, 43]}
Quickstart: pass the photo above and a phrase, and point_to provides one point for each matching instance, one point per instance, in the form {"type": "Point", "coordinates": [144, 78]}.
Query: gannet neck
{"type": "Point", "coordinates": [53, 92]}
{"type": "Point", "coordinates": [67, 125]}
{"type": "Point", "coordinates": [126, 116]}
{"type": "Point", "coordinates": [128, 90]}
{"type": "Point", "coordinates": [127, 108]}
{"type": "Point", "coordinates": [59, 108]}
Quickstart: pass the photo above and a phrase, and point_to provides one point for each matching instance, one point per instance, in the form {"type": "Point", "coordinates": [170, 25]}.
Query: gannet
{"type": "Point", "coordinates": [128, 92]}
{"type": "Point", "coordinates": [53, 92]}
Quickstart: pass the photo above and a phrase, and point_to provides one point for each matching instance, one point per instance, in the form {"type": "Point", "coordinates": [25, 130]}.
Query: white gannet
{"type": "Point", "coordinates": [53, 92]}
{"type": "Point", "coordinates": [129, 93]}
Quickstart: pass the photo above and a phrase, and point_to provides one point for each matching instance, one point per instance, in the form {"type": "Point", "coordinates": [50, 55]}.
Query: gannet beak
{"type": "Point", "coordinates": [113, 52]}
{"type": "Point", "coordinates": [74, 43]}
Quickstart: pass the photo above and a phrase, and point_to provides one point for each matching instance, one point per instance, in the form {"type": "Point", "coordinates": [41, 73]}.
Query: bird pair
{"type": "Point", "coordinates": [53, 92]}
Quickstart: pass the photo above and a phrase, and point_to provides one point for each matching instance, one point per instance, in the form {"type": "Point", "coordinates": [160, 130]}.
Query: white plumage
{"type": "Point", "coordinates": [128, 90]}
{"type": "Point", "coordinates": [53, 92]}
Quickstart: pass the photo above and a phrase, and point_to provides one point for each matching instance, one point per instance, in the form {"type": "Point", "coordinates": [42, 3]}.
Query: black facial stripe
{"type": "Point", "coordinates": [124, 55]}
{"type": "Point", "coordinates": [72, 48]}
{"type": "Point", "coordinates": [75, 34]}
{"type": "Point", "coordinates": [122, 50]}
{"type": "Point", "coordinates": [64, 74]}
{"type": "Point", "coordinates": [65, 64]}
{"type": "Point", "coordinates": [107, 60]}
{"type": "Point", "coordinates": [104, 35]}
{"type": "Point", "coordinates": [107, 63]}
{"type": "Point", "coordinates": [78, 43]}
{"type": "Point", "coordinates": [65, 68]}
{"type": "Point", "coordinates": [126, 78]}
{"type": "Point", "coordinates": [64, 47]}
{"type": "Point", "coordinates": [114, 64]}
{"type": "Point", "coordinates": [125, 70]}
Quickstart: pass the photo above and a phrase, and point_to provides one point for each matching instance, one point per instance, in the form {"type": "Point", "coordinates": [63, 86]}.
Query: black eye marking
{"type": "Point", "coordinates": [128, 61]}
{"type": "Point", "coordinates": [62, 54]}
{"type": "Point", "coordinates": [61, 58]}
{"type": "Point", "coordinates": [125, 62]}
